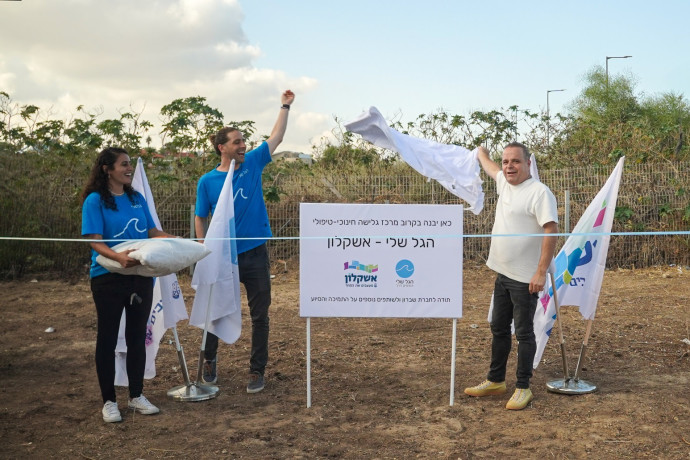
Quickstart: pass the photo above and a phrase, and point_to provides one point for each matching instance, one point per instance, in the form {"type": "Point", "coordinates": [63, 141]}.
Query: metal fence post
{"type": "Point", "coordinates": [566, 228]}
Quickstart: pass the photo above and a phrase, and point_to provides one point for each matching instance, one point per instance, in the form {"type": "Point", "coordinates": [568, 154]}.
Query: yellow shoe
{"type": "Point", "coordinates": [520, 399]}
{"type": "Point", "coordinates": [487, 388]}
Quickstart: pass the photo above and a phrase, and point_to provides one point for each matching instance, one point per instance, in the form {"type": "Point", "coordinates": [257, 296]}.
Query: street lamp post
{"type": "Point", "coordinates": [607, 67]}
{"type": "Point", "coordinates": [548, 117]}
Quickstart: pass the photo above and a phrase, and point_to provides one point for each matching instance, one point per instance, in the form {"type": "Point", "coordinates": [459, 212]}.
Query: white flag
{"type": "Point", "coordinates": [455, 168]}
{"type": "Point", "coordinates": [533, 167]}
{"type": "Point", "coordinates": [216, 277]}
{"type": "Point", "coordinates": [579, 265]}
{"type": "Point", "coordinates": [167, 307]}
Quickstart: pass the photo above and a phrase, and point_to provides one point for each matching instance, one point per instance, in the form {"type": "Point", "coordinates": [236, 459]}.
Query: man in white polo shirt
{"type": "Point", "coordinates": [525, 206]}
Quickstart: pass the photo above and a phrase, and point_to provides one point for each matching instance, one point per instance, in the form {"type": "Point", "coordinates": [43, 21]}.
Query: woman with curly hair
{"type": "Point", "coordinates": [113, 210]}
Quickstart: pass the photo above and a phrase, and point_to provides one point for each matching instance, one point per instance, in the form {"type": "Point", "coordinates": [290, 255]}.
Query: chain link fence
{"type": "Point", "coordinates": [41, 199]}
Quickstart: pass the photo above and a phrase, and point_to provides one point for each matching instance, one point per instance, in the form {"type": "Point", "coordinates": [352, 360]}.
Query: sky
{"type": "Point", "coordinates": [405, 57]}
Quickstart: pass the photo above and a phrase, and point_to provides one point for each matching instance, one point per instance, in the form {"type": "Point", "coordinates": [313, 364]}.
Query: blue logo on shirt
{"type": "Point", "coordinates": [134, 221]}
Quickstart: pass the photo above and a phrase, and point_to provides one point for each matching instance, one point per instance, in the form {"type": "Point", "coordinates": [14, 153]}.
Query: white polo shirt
{"type": "Point", "coordinates": [521, 209]}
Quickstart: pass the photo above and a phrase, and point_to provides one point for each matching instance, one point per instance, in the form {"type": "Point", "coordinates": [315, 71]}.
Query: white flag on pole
{"type": "Point", "coordinates": [533, 167]}
{"type": "Point", "coordinates": [580, 264]}
{"type": "Point", "coordinates": [216, 277]}
{"type": "Point", "coordinates": [455, 168]}
{"type": "Point", "coordinates": [167, 307]}
{"type": "Point", "coordinates": [175, 309]}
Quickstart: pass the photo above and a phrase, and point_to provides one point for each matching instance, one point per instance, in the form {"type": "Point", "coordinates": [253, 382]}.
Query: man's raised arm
{"type": "Point", "coordinates": [276, 137]}
{"type": "Point", "coordinates": [487, 163]}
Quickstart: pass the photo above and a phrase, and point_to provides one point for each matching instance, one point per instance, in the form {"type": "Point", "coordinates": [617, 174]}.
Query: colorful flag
{"type": "Point", "coordinates": [167, 307]}
{"type": "Point", "coordinates": [580, 264]}
{"type": "Point", "coordinates": [455, 168]}
{"type": "Point", "coordinates": [216, 277]}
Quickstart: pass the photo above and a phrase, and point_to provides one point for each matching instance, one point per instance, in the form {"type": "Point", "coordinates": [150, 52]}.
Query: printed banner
{"type": "Point", "coordinates": [377, 260]}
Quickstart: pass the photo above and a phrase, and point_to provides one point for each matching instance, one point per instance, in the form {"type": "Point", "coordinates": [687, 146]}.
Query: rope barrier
{"type": "Point", "coordinates": [484, 235]}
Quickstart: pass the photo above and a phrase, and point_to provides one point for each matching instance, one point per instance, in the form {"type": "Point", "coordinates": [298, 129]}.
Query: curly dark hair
{"type": "Point", "coordinates": [221, 137]}
{"type": "Point", "coordinates": [98, 179]}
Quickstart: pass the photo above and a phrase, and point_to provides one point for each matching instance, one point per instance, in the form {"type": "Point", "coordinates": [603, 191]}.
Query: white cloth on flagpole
{"type": "Point", "coordinates": [455, 168]}
{"type": "Point", "coordinates": [216, 277]}
{"type": "Point", "coordinates": [167, 307]}
{"type": "Point", "coordinates": [580, 264]}
{"type": "Point", "coordinates": [173, 302]}
{"type": "Point", "coordinates": [533, 167]}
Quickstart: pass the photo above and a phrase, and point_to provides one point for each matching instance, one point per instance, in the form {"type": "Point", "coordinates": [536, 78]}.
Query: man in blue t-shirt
{"type": "Point", "coordinates": [251, 221]}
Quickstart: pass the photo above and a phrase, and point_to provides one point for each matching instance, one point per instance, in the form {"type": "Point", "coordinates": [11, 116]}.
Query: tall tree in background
{"type": "Point", "coordinates": [669, 116]}
{"type": "Point", "coordinates": [608, 120]}
{"type": "Point", "coordinates": [606, 100]}
{"type": "Point", "coordinates": [126, 131]}
{"type": "Point", "coordinates": [189, 122]}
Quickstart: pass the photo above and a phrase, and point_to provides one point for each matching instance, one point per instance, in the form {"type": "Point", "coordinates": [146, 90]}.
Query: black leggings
{"type": "Point", "coordinates": [112, 293]}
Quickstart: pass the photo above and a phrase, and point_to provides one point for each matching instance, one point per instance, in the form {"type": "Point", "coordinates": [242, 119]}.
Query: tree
{"type": "Point", "coordinates": [609, 120]}
{"type": "Point", "coordinates": [669, 116]}
{"type": "Point", "coordinates": [493, 129]}
{"type": "Point", "coordinates": [189, 122]}
{"type": "Point", "coordinates": [607, 100]}
{"type": "Point", "coordinates": [11, 135]}
{"type": "Point", "coordinates": [126, 132]}
{"type": "Point", "coordinates": [350, 151]}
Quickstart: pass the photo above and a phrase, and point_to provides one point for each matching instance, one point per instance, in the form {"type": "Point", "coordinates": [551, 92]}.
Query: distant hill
{"type": "Point", "coordinates": [293, 156]}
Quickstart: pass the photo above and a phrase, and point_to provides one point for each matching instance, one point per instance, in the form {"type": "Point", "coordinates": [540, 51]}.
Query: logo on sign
{"type": "Point", "coordinates": [355, 280]}
{"type": "Point", "coordinates": [404, 268]}
{"type": "Point", "coordinates": [355, 265]}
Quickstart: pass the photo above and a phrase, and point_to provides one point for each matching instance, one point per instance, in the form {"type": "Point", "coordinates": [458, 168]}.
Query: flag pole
{"type": "Point", "coordinates": [568, 385]}
{"type": "Point", "coordinates": [559, 319]}
{"type": "Point", "coordinates": [196, 391]}
{"type": "Point", "coordinates": [207, 322]}
{"type": "Point", "coordinates": [580, 359]}
{"type": "Point", "coordinates": [180, 357]}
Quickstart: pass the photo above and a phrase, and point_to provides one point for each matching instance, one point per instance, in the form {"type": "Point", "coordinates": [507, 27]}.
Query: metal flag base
{"type": "Point", "coordinates": [193, 392]}
{"type": "Point", "coordinates": [571, 387]}
{"type": "Point", "coordinates": [190, 391]}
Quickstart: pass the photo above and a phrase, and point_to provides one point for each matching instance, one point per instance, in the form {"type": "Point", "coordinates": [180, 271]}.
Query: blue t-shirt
{"type": "Point", "coordinates": [251, 217]}
{"type": "Point", "coordinates": [128, 222]}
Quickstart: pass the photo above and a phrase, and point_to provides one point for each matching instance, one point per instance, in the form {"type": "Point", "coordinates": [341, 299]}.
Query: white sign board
{"type": "Point", "coordinates": [380, 260]}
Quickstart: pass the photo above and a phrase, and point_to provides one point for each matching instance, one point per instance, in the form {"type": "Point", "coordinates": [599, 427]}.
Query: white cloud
{"type": "Point", "coordinates": [191, 12]}
{"type": "Point", "coordinates": [6, 77]}
{"type": "Point", "coordinates": [301, 128]}
{"type": "Point", "coordinates": [140, 55]}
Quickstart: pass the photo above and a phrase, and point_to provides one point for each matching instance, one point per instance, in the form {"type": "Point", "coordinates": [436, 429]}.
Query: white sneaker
{"type": "Point", "coordinates": [142, 405]}
{"type": "Point", "coordinates": [111, 413]}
